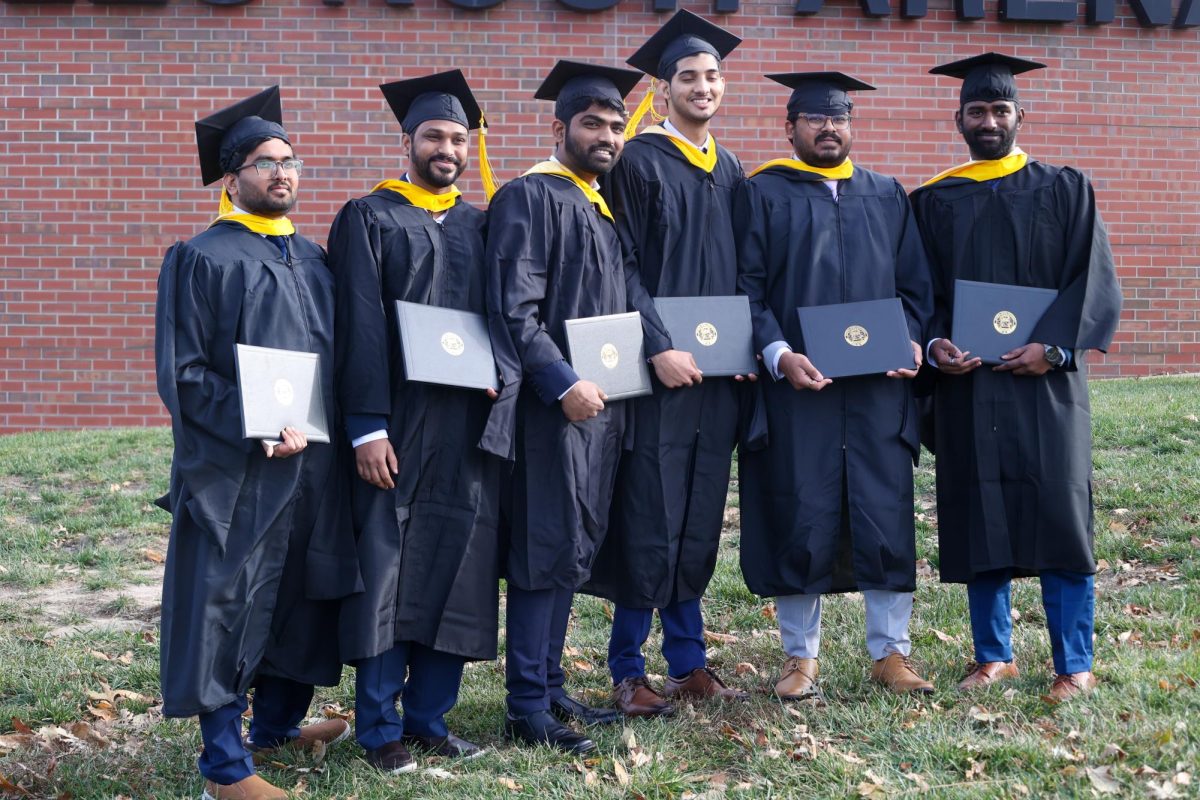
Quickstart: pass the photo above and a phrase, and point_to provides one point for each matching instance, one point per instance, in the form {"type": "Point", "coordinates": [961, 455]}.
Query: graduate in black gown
{"type": "Point", "coordinates": [671, 198]}
{"type": "Point", "coordinates": [425, 497]}
{"type": "Point", "coordinates": [828, 505]}
{"type": "Point", "coordinates": [1013, 442]}
{"type": "Point", "coordinates": [553, 255]}
{"type": "Point", "coordinates": [258, 551]}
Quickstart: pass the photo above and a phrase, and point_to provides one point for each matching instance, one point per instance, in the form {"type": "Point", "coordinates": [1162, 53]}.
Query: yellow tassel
{"type": "Point", "coordinates": [485, 167]}
{"type": "Point", "coordinates": [644, 107]}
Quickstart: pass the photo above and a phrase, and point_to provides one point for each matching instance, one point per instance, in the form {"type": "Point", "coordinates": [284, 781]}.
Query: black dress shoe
{"type": "Point", "coordinates": [567, 708]}
{"type": "Point", "coordinates": [449, 745]}
{"type": "Point", "coordinates": [392, 757]}
{"type": "Point", "coordinates": [542, 728]}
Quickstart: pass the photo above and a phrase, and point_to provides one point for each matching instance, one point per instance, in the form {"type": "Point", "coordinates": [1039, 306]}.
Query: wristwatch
{"type": "Point", "coordinates": [1055, 356]}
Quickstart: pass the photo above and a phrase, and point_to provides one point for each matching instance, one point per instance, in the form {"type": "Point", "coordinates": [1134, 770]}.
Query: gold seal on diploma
{"type": "Point", "coordinates": [856, 336]}
{"type": "Point", "coordinates": [284, 393]}
{"type": "Point", "coordinates": [609, 356]}
{"type": "Point", "coordinates": [1005, 322]}
{"type": "Point", "coordinates": [452, 343]}
{"type": "Point", "coordinates": [706, 334]}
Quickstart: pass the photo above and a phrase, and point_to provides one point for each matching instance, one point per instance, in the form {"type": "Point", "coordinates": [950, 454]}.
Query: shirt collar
{"type": "Point", "coordinates": [671, 129]}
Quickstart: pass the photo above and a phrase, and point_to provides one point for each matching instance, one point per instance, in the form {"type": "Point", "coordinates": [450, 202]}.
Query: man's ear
{"type": "Point", "coordinates": [559, 129]}
{"type": "Point", "coordinates": [958, 120]}
{"type": "Point", "coordinates": [230, 182]}
{"type": "Point", "coordinates": [789, 130]}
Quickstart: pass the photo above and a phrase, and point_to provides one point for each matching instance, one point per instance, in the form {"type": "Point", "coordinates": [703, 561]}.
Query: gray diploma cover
{"type": "Point", "coordinates": [992, 318]}
{"type": "Point", "coordinates": [608, 351]}
{"type": "Point", "coordinates": [446, 346]}
{"type": "Point", "coordinates": [715, 330]}
{"type": "Point", "coordinates": [865, 338]}
{"type": "Point", "coordinates": [280, 389]}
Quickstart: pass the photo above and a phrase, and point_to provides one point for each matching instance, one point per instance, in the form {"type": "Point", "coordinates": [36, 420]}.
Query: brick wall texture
{"type": "Point", "coordinates": [98, 168]}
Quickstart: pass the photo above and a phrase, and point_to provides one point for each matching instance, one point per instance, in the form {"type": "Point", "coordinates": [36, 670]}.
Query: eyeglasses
{"type": "Point", "coordinates": [817, 121]}
{"type": "Point", "coordinates": [266, 167]}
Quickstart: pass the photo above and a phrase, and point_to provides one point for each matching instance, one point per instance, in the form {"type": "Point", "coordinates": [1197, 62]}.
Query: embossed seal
{"type": "Point", "coordinates": [856, 335]}
{"type": "Point", "coordinates": [706, 334]}
{"type": "Point", "coordinates": [284, 393]}
{"type": "Point", "coordinates": [452, 343]}
{"type": "Point", "coordinates": [609, 356]}
{"type": "Point", "coordinates": [1005, 322]}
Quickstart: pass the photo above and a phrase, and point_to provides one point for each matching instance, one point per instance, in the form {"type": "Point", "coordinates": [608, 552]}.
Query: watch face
{"type": "Point", "coordinates": [1055, 356]}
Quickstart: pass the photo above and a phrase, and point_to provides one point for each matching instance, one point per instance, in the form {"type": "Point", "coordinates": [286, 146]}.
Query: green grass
{"type": "Point", "coordinates": [76, 519]}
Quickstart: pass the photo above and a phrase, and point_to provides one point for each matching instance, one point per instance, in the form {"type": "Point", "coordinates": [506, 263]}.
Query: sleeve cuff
{"type": "Point", "coordinates": [771, 355]}
{"type": "Point", "coordinates": [553, 381]}
{"type": "Point", "coordinates": [360, 426]}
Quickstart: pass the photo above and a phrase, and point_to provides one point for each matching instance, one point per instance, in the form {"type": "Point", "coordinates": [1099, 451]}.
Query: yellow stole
{"type": "Point", "coordinates": [984, 170]}
{"type": "Point", "coordinates": [422, 198]}
{"type": "Point", "coordinates": [839, 173]}
{"type": "Point", "coordinates": [554, 168]}
{"type": "Point", "coordinates": [695, 156]}
{"type": "Point", "coordinates": [264, 225]}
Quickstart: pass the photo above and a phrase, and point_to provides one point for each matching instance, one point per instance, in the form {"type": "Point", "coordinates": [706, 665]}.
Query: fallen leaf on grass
{"type": "Point", "coordinates": [622, 774]}
{"type": "Point", "coordinates": [769, 613]}
{"type": "Point", "coordinates": [19, 725]}
{"type": "Point", "coordinates": [975, 769]}
{"type": "Point", "coordinates": [924, 570]}
{"type": "Point", "coordinates": [628, 739]}
{"type": "Point", "coordinates": [582, 665]}
{"type": "Point", "coordinates": [942, 637]}
{"type": "Point", "coordinates": [439, 774]}
{"type": "Point", "coordinates": [1161, 790]}
{"type": "Point", "coordinates": [589, 778]}
{"type": "Point", "coordinates": [1184, 779]}
{"type": "Point", "coordinates": [509, 783]}
{"type": "Point", "coordinates": [745, 668]}
{"type": "Point", "coordinates": [85, 732]}
{"type": "Point", "coordinates": [852, 758]}
{"type": "Point", "coordinates": [1102, 780]}
{"type": "Point", "coordinates": [981, 714]}
{"type": "Point", "coordinates": [1113, 751]}
{"type": "Point", "coordinates": [153, 556]}
{"type": "Point", "coordinates": [712, 637]}
{"type": "Point", "coordinates": [10, 787]}
{"type": "Point", "coordinates": [922, 784]}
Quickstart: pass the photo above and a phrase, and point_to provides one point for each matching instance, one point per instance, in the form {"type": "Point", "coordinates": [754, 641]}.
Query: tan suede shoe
{"type": "Point", "coordinates": [981, 675]}
{"type": "Point", "coordinates": [798, 680]}
{"type": "Point", "coordinates": [252, 788]}
{"type": "Point", "coordinates": [1067, 686]}
{"type": "Point", "coordinates": [896, 673]}
{"type": "Point", "coordinates": [330, 732]}
{"type": "Point", "coordinates": [700, 684]}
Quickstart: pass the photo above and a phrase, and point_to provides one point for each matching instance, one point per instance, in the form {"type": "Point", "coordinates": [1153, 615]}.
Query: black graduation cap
{"type": "Point", "coordinates": [570, 80]}
{"type": "Point", "coordinates": [226, 136]}
{"type": "Point", "coordinates": [445, 95]}
{"type": "Point", "coordinates": [684, 34]}
{"type": "Point", "coordinates": [820, 92]}
{"type": "Point", "coordinates": [988, 76]}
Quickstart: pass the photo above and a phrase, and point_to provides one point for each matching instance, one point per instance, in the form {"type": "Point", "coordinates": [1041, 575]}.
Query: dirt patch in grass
{"type": "Point", "coordinates": [69, 608]}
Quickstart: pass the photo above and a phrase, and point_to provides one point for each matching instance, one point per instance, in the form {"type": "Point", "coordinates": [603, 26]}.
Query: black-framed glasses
{"type": "Point", "coordinates": [266, 167]}
{"type": "Point", "coordinates": [817, 121]}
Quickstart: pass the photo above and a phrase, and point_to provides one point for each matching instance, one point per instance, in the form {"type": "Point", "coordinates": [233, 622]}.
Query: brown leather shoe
{"type": "Point", "coordinates": [981, 675]}
{"type": "Point", "coordinates": [1067, 686]}
{"type": "Point", "coordinates": [634, 697]}
{"type": "Point", "coordinates": [896, 673]}
{"type": "Point", "coordinates": [329, 732]}
{"type": "Point", "coordinates": [798, 680]}
{"type": "Point", "coordinates": [393, 757]}
{"type": "Point", "coordinates": [701, 684]}
{"type": "Point", "coordinates": [252, 788]}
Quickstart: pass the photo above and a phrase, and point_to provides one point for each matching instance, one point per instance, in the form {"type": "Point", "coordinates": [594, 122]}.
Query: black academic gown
{"type": "Point", "coordinates": [1014, 466]}
{"type": "Point", "coordinates": [428, 547]}
{"type": "Point", "coordinates": [851, 446]}
{"type": "Point", "coordinates": [675, 224]}
{"type": "Point", "coordinates": [551, 257]}
{"type": "Point", "coordinates": [258, 547]}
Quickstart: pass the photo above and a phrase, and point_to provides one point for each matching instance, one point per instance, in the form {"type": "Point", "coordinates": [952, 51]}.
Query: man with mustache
{"type": "Point", "coordinates": [1013, 442]}
{"type": "Point", "coordinates": [553, 255]}
{"type": "Point", "coordinates": [426, 497]}
{"type": "Point", "coordinates": [828, 505]}
{"type": "Point", "coordinates": [670, 197]}
{"type": "Point", "coordinates": [241, 607]}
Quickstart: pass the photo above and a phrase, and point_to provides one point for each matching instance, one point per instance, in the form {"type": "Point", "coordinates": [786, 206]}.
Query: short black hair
{"type": "Point", "coordinates": [566, 109]}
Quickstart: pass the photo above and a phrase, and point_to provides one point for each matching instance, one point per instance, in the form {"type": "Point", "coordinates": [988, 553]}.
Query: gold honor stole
{"type": "Point", "coordinates": [695, 156]}
{"type": "Point", "coordinates": [262, 225]}
{"type": "Point", "coordinates": [984, 170]}
{"type": "Point", "coordinates": [554, 168]}
{"type": "Point", "coordinates": [839, 173]}
{"type": "Point", "coordinates": [421, 198]}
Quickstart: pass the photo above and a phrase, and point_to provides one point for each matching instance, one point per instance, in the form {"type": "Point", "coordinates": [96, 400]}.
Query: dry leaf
{"type": "Point", "coordinates": [924, 570]}
{"type": "Point", "coordinates": [943, 637]}
{"type": "Point", "coordinates": [921, 783]}
{"type": "Point", "coordinates": [439, 774]}
{"type": "Point", "coordinates": [628, 739]}
{"type": "Point", "coordinates": [1112, 751]}
{"type": "Point", "coordinates": [981, 714]}
{"type": "Point", "coordinates": [1161, 790]}
{"type": "Point", "coordinates": [639, 758]}
{"type": "Point", "coordinates": [769, 613]}
{"type": "Point", "coordinates": [85, 732]}
{"type": "Point", "coordinates": [852, 758]}
{"type": "Point", "coordinates": [975, 769]}
{"type": "Point", "coordinates": [590, 779]}
{"type": "Point", "coordinates": [509, 783]}
{"type": "Point", "coordinates": [1102, 780]}
{"type": "Point", "coordinates": [12, 788]}
{"type": "Point", "coordinates": [712, 637]}
{"type": "Point", "coordinates": [19, 725]}
{"type": "Point", "coordinates": [582, 665]}
{"type": "Point", "coordinates": [99, 656]}
{"type": "Point", "coordinates": [1183, 779]}
{"type": "Point", "coordinates": [745, 668]}
{"type": "Point", "coordinates": [620, 772]}
{"type": "Point", "coordinates": [153, 555]}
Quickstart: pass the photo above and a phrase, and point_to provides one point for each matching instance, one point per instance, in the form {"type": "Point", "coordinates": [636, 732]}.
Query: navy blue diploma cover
{"type": "Point", "coordinates": [715, 330]}
{"type": "Point", "coordinates": [608, 351]}
{"type": "Point", "coordinates": [992, 318]}
{"type": "Point", "coordinates": [864, 338]}
{"type": "Point", "coordinates": [445, 346]}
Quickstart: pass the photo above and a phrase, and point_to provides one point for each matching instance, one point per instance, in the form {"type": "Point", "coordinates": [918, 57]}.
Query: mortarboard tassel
{"type": "Point", "coordinates": [644, 107]}
{"type": "Point", "coordinates": [485, 166]}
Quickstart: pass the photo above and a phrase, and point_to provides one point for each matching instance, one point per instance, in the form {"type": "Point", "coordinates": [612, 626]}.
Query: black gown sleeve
{"type": "Point", "coordinates": [751, 227]}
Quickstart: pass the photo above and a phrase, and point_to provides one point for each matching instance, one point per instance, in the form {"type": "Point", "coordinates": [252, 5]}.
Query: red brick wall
{"type": "Point", "coordinates": [98, 166]}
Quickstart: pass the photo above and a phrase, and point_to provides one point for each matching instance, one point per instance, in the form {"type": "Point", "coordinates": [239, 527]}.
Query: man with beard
{"type": "Point", "coordinates": [828, 505]}
{"type": "Point", "coordinates": [256, 554]}
{"type": "Point", "coordinates": [1013, 442]}
{"type": "Point", "coordinates": [553, 255]}
{"type": "Point", "coordinates": [670, 197]}
{"type": "Point", "coordinates": [426, 500]}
